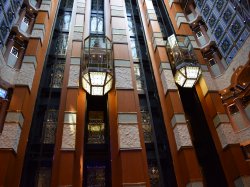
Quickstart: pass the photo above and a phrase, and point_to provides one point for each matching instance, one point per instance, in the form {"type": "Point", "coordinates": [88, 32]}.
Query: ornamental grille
{"type": "Point", "coordinates": [154, 175]}
{"type": "Point", "coordinates": [57, 75]}
{"type": "Point", "coordinates": [43, 178]}
{"type": "Point", "coordinates": [49, 127]}
{"type": "Point", "coordinates": [146, 126]}
{"type": "Point", "coordinates": [96, 132]}
{"type": "Point", "coordinates": [96, 176]}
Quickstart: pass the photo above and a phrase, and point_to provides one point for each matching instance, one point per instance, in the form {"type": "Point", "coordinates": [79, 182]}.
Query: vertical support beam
{"type": "Point", "coordinates": [129, 153]}
{"type": "Point", "coordinates": [21, 110]}
{"type": "Point", "coordinates": [68, 165]}
{"type": "Point", "coordinates": [185, 163]}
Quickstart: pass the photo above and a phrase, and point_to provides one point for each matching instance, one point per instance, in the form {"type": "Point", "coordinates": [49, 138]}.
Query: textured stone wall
{"type": "Point", "coordinates": [226, 134]}
{"type": "Point", "coordinates": [167, 78]}
{"type": "Point", "coordinates": [195, 184]}
{"type": "Point", "coordinates": [9, 138]}
{"type": "Point", "coordinates": [244, 134]}
{"type": "Point", "coordinates": [74, 75]}
{"type": "Point", "coordinates": [243, 181]}
{"type": "Point", "coordinates": [25, 75]}
{"type": "Point", "coordinates": [69, 131]}
{"type": "Point", "coordinates": [129, 136]}
{"type": "Point", "coordinates": [123, 78]}
{"type": "Point", "coordinates": [69, 136]}
{"type": "Point", "coordinates": [182, 136]}
{"type": "Point", "coordinates": [128, 131]}
{"type": "Point", "coordinates": [38, 31]}
{"type": "Point", "coordinates": [225, 130]}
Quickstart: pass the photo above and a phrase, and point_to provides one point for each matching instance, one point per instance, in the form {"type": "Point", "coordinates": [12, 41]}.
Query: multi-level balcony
{"type": "Point", "coordinates": [14, 53]}
{"type": "Point", "coordinates": [97, 68]}
{"type": "Point", "coordinates": [25, 23]}
{"type": "Point", "coordinates": [192, 14]}
{"type": "Point", "coordinates": [203, 36]}
{"type": "Point", "coordinates": [216, 63]}
{"type": "Point", "coordinates": [34, 4]}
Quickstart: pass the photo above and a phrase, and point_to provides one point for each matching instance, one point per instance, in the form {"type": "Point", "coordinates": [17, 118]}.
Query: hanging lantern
{"type": "Point", "coordinates": [97, 72]}
{"type": "Point", "coordinates": [185, 65]}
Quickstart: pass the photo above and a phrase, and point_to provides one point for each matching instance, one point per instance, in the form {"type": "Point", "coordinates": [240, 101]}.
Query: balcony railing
{"type": "Point", "coordinates": [49, 127]}
{"type": "Point", "coordinates": [193, 17]}
{"type": "Point", "coordinates": [35, 4]}
{"type": "Point", "coordinates": [96, 176]}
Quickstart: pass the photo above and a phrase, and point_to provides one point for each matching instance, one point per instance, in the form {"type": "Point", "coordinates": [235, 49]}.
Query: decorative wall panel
{"type": "Point", "coordinates": [129, 137]}
{"type": "Point", "coordinates": [9, 139]}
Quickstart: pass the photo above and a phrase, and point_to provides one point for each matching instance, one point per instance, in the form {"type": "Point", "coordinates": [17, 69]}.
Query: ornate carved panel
{"type": "Point", "coordinates": [129, 137]}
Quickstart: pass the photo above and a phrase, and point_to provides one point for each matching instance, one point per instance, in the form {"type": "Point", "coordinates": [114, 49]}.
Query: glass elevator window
{"type": "Point", "coordinates": [97, 164]}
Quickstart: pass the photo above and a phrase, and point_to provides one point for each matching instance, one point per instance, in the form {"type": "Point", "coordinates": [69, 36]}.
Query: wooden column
{"type": "Point", "coordinates": [68, 160]}
{"type": "Point", "coordinates": [128, 154]}
{"type": "Point", "coordinates": [186, 167]}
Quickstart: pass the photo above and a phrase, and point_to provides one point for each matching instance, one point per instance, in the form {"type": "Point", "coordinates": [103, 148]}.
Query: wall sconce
{"type": "Point", "coordinates": [97, 70]}
{"type": "Point", "coordinates": [183, 61]}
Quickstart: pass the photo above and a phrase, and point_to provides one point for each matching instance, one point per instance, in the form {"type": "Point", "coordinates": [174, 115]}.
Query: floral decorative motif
{"type": "Point", "coordinates": [219, 4]}
{"type": "Point", "coordinates": [235, 28]}
{"type": "Point", "coordinates": [225, 45]}
{"type": "Point", "coordinates": [16, 4]}
{"type": "Point", "coordinates": [10, 15]}
{"type": "Point", "coordinates": [129, 137]}
{"type": "Point", "coordinates": [227, 15]}
{"type": "Point", "coordinates": [4, 29]}
{"type": "Point", "coordinates": [218, 32]}
{"type": "Point", "coordinates": [199, 3]}
{"type": "Point", "coordinates": [206, 10]}
{"type": "Point", "coordinates": [212, 21]}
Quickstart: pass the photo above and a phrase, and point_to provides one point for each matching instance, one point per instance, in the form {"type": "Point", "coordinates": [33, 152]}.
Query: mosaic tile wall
{"type": "Point", "coordinates": [8, 13]}
{"type": "Point", "coordinates": [229, 23]}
